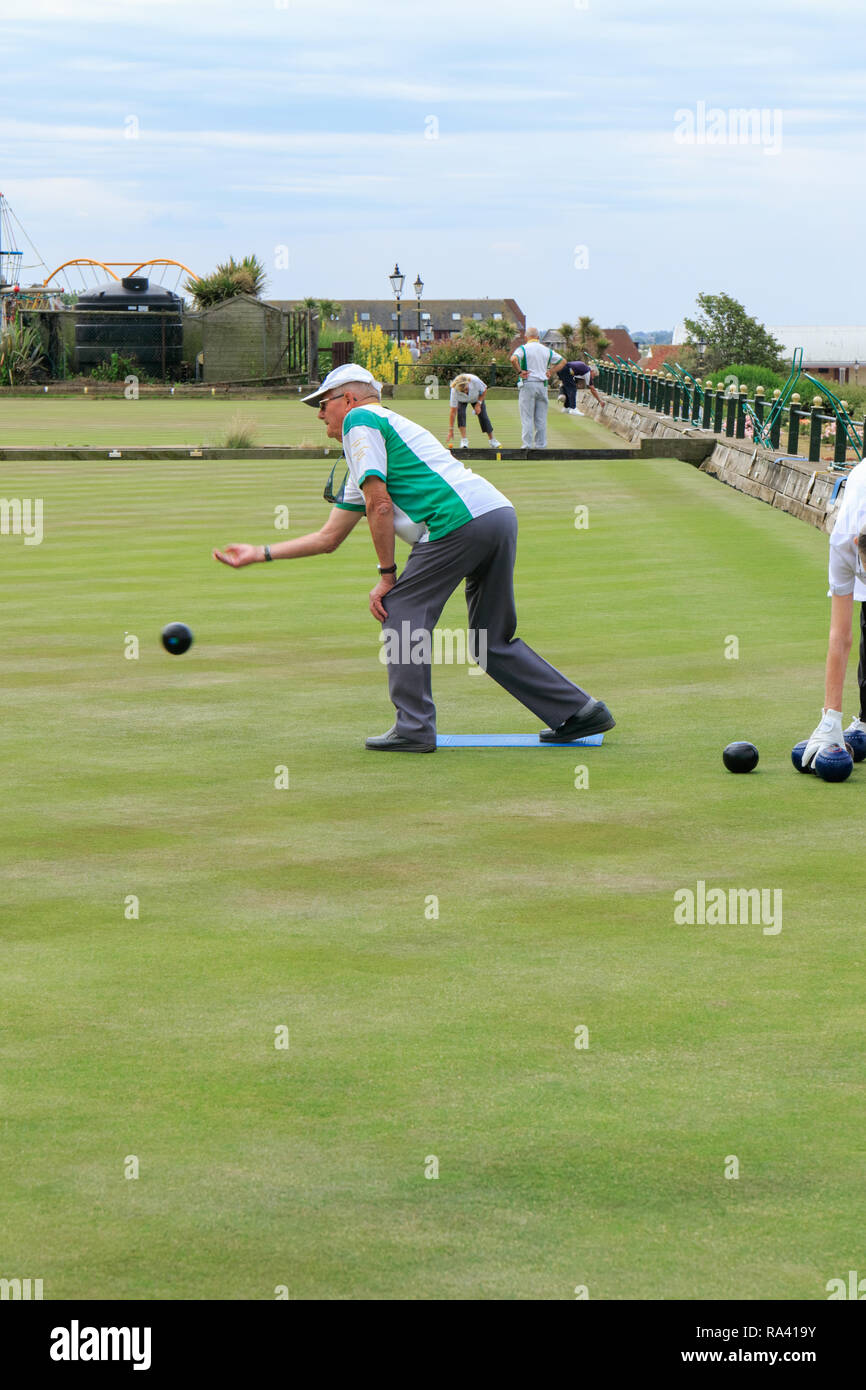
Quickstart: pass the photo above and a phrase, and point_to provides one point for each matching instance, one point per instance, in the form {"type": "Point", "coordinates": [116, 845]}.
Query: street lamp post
{"type": "Point", "coordinates": [397, 286]}
{"type": "Point", "coordinates": [418, 287]}
{"type": "Point", "coordinates": [696, 405]}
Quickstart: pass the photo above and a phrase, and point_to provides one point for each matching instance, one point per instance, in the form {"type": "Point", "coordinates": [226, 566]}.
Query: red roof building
{"type": "Point", "coordinates": [622, 344]}
{"type": "Point", "coordinates": [657, 354]}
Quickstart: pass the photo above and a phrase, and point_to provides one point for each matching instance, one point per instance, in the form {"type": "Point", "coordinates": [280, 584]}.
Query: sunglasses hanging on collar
{"type": "Point", "coordinates": [329, 494]}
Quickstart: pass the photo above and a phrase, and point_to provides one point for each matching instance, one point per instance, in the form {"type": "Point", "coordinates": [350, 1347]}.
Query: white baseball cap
{"type": "Point", "coordinates": [341, 376]}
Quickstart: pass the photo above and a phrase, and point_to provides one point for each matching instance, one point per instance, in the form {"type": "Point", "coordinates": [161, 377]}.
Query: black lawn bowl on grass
{"type": "Point", "coordinates": [740, 757]}
{"type": "Point", "coordinates": [177, 638]}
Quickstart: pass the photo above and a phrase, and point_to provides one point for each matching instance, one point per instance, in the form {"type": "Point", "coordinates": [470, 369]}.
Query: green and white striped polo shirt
{"type": "Point", "coordinates": [536, 359]}
{"type": "Point", "coordinates": [424, 481]}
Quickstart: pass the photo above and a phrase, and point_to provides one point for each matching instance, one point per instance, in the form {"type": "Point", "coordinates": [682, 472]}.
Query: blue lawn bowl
{"type": "Point", "coordinates": [834, 764]}
{"type": "Point", "coordinates": [855, 742]}
{"type": "Point", "coordinates": [176, 638]}
{"type": "Point", "coordinates": [797, 757]}
{"type": "Point", "coordinates": [740, 757]}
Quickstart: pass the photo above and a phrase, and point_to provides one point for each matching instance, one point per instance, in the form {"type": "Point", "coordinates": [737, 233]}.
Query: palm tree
{"type": "Point", "coordinates": [493, 333]}
{"type": "Point", "coordinates": [567, 331]}
{"type": "Point", "coordinates": [589, 335]}
{"type": "Point", "coordinates": [227, 281]}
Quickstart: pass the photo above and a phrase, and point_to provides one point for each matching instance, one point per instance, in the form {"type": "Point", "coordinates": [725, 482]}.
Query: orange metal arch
{"type": "Point", "coordinates": [161, 260]}
{"type": "Point", "coordinates": [106, 266]}
{"type": "Point", "coordinates": [79, 260]}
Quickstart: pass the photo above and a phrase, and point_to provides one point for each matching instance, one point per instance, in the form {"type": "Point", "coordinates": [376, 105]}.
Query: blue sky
{"type": "Point", "coordinates": [278, 124]}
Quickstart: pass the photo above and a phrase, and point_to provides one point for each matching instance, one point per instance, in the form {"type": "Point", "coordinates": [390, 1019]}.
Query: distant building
{"type": "Point", "coordinates": [656, 354]}
{"type": "Point", "coordinates": [619, 341]}
{"type": "Point", "coordinates": [440, 318]}
{"type": "Point", "coordinates": [553, 339]}
{"type": "Point", "coordinates": [622, 343]}
{"type": "Point", "coordinates": [839, 354]}
{"type": "Point", "coordinates": [836, 353]}
{"type": "Point", "coordinates": [246, 339]}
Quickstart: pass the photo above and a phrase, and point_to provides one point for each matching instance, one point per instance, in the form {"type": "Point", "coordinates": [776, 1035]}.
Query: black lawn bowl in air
{"type": "Point", "coordinates": [740, 757]}
{"type": "Point", "coordinates": [797, 757]}
{"type": "Point", "coordinates": [176, 638]}
{"type": "Point", "coordinates": [834, 764]}
{"type": "Point", "coordinates": [855, 741]}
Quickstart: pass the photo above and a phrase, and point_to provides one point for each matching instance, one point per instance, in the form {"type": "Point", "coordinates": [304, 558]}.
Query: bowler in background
{"type": "Point", "coordinates": [572, 373]}
{"type": "Point", "coordinates": [534, 364]}
{"type": "Point", "coordinates": [469, 390]}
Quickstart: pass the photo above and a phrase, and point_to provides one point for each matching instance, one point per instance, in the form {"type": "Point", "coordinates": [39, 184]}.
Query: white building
{"type": "Point", "coordinates": [839, 354]}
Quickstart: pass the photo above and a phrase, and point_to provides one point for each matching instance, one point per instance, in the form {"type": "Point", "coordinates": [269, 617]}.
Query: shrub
{"type": "Point", "coordinates": [21, 353]}
{"type": "Point", "coordinates": [241, 432]}
{"type": "Point", "coordinates": [378, 352]}
{"type": "Point", "coordinates": [751, 377]}
{"type": "Point", "coordinates": [446, 358]}
{"type": "Point", "coordinates": [852, 393]}
{"type": "Point", "coordinates": [116, 368]}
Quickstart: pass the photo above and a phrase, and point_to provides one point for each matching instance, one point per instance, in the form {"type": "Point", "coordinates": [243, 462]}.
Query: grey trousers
{"type": "Point", "coordinates": [482, 552]}
{"type": "Point", "coordinates": [533, 414]}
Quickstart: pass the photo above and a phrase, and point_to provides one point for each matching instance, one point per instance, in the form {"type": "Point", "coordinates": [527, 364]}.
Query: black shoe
{"type": "Point", "coordinates": [594, 718]}
{"type": "Point", "coordinates": [392, 742]}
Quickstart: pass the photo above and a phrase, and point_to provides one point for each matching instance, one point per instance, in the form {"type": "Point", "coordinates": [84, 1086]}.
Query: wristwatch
{"type": "Point", "coordinates": [387, 569]}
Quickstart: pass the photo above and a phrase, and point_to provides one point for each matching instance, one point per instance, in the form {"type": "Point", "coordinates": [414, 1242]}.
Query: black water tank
{"type": "Point", "coordinates": [133, 319]}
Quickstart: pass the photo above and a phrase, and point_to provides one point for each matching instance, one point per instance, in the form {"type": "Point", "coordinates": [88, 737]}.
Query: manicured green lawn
{"type": "Point", "coordinates": [413, 1036]}
{"type": "Point", "coordinates": [92, 420]}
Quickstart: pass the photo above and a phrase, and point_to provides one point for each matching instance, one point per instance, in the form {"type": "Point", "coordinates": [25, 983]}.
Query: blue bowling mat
{"type": "Point", "coordinates": [511, 741]}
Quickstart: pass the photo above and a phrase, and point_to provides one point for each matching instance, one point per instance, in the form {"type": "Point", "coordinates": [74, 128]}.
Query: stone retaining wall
{"type": "Point", "coordinates": [793, 485]}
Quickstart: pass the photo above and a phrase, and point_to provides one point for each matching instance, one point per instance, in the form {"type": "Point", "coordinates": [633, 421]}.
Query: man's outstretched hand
{"type": "Point", "coordinates": [238, 555]}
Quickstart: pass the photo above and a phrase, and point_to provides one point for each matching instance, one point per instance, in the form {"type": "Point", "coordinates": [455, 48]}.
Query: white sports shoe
{"type": "Point", "coordinates": [856, 726]}
{"type": "Point", "coordinates": [494, 443]}
{"type": "Point", "coordinates": [464, 444]}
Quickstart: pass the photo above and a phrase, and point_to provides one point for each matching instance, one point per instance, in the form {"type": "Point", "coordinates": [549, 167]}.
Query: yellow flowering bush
{"type": "Point", "coordinates": [376, 351]}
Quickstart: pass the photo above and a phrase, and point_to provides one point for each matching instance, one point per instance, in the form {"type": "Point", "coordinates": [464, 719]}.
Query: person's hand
{"type": "Point", "coordinates": [477, 407]}
{"type": "Point", "coordinates": [449, 437]}
{"type": "Point", "coordinates": [386, 582]}
{"type": "Point", "coordinates": [238, 555]}
{"type": "Point", "coordinates": [828, 733]}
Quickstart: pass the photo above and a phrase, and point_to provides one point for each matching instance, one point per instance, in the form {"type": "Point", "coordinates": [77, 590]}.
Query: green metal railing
{"type": "Point", "coordinates": [727, 410]}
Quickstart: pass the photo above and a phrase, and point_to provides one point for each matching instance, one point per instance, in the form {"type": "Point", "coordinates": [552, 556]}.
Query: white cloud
{"type": "Point", "coordinates": [308, 130]}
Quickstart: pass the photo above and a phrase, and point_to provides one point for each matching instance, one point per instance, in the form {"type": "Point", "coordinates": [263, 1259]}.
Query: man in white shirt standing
{"type": "Point", "coordinates": [468, 389]}
{"type": "Point", "coordinates": [535, 365]}
{"type": "Point", "coordinates": [847, 583]}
